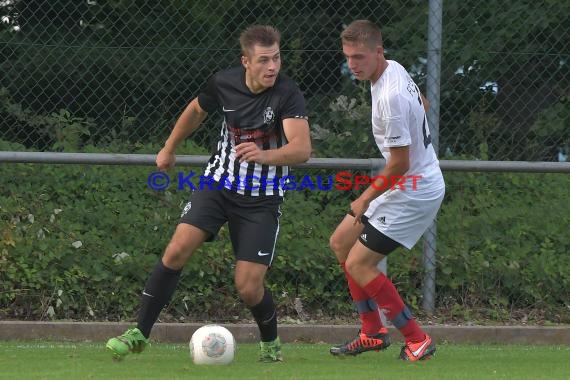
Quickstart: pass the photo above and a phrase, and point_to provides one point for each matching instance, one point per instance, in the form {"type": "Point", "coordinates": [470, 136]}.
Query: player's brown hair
{"type": "Point", "coordinates": [264, 35]}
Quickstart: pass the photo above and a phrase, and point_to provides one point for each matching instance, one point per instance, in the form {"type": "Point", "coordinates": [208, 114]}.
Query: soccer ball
{"type": "Point", "coordinates": [212, 344]}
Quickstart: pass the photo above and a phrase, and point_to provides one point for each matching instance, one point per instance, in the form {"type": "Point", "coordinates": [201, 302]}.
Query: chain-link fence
{"type": "Point", "coordinates": [97, 72]}
{"type": "Point", "coordinates": [113, 76]}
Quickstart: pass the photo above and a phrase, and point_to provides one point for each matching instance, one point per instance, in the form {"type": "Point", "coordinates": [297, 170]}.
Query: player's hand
{"type": "Point", "coordinates": [250, 152]}
{"type": "Point", "coordinates": [358, 208]}
{"type": "Point", "coordinates": [165, 160]}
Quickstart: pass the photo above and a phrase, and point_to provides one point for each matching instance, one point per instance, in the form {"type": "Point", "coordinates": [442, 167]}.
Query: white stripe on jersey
{"type": "Point", "coordinates": [218, 169]}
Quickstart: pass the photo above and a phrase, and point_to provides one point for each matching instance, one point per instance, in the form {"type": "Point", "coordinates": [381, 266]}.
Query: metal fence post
{"type": "Point", "coordinates": [433, 95]}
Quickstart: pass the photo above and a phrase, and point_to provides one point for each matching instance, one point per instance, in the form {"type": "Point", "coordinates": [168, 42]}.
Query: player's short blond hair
{"type": "Point", "coordinates": [362, 32]}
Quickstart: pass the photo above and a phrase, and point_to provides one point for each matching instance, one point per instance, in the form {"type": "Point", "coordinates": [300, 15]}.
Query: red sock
{"type": "Point", "coordinates": [383, 291]}
{"type": "Point", "coordinates": [370, 320]}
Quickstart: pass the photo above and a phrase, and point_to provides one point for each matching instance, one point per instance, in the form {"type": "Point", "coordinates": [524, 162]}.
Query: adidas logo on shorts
{"type": "Point", "coordinates": [363, 237]}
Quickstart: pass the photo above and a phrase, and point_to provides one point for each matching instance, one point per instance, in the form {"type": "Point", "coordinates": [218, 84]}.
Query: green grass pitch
{"type": "Point", "coordinates": [58, 360]}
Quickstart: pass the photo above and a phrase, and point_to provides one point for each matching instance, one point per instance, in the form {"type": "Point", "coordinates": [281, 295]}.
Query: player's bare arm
{"type": "Point", "coordinates": [296, 151]}
{"type": "Point", "coordinates": [187, 123]}
{"type": "Point", "coordinates": [397, 165]}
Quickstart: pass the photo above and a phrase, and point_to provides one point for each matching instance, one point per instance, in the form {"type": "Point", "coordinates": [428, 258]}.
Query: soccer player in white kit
{"type": "Point", "coordinates": [396, 208]}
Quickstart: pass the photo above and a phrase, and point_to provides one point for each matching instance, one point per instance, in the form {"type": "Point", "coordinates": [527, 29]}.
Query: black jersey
{"type": "Point", "coordinates": [250, 117]}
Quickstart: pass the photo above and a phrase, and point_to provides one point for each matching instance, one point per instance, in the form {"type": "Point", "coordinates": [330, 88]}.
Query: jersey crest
{"type": "Point", "coordinates": [268, 115]}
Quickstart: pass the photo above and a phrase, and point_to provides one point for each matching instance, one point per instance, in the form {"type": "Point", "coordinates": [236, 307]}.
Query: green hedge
{"type": "Point", "coordinates": [503, 245]}
{"type": "Point", "coordinates": [502, 248]}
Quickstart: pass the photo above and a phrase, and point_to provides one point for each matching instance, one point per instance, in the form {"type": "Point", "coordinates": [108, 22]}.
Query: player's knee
{"type": "Point", "coordinates": [350, 265]}
{"type": "Point", "coordinates": [338, 246]}
{"type": "Point", "coordinates": [176, 255]}
{"type": "Point", "coordinates": [249, 294]}
{"type": "Point", "coordinates": [333, 243]}
{"type": "Point", "coordinates": [354, 267]}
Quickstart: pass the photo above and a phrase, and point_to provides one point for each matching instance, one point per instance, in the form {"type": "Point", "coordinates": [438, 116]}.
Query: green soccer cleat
{"type": "Point", "coordinates": [131, 340]}
{"type": "Point", "coordinates": [271, 351]}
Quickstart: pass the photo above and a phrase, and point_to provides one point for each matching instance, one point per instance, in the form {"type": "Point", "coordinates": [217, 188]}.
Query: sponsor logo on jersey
{"type": "Point", "coordinates": [392, 139]}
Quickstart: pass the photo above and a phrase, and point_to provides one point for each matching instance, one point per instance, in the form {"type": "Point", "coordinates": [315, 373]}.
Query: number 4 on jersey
{"type": "Point", "coordinates": [425, 128]}
{"type": "Point", "coordinates": [425, 131]}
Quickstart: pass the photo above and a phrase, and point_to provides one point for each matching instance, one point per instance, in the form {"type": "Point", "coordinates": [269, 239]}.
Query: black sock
{"type": "Point", "coordinates": [156, 295]}
{"type": "Point", "coordinates": [265, 315]}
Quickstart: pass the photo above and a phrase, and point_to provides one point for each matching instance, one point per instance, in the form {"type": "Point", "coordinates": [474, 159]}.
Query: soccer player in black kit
{"type": "Point", "coordinates": [265, 129]}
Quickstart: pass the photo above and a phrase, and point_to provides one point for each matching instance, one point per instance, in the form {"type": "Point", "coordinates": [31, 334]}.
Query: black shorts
{"type": "Point", "coordinates": [253, 222]}
{"type": "Point", "coordinates": [375, 240]}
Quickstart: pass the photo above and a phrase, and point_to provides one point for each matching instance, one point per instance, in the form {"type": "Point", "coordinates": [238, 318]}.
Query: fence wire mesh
{"type": "Point", "coordinates": [95, 72]}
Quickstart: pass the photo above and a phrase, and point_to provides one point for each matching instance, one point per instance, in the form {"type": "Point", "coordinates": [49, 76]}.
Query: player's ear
{"type": "Point", "coordinates": [380, 50]}
{"type": "Point", "coordinates": [244, 61]}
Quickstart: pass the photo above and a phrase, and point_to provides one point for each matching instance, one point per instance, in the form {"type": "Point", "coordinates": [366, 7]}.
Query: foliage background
{"type": "Point", "coordinates": [83, 251]}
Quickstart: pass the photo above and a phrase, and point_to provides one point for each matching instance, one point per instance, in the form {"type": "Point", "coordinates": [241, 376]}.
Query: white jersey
{"type": "Point", "coordinates": [399, 119]}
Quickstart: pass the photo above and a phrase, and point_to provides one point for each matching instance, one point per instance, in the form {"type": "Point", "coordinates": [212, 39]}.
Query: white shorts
{"type": "Point", "coordinates": [402, 218]}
